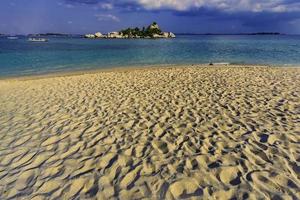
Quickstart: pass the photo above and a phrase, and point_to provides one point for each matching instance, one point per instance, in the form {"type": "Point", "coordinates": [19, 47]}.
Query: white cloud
{"type": "Point", "coordinates": [185, 5]}
{"type": "Point", "coordinates": [224, 5]}
{"type": "Point", "coordinates": [107, 6]}
{"type": "Point", "coordinates": [107, 17]}
{"type": "Point", "coordinates": [68, 5]}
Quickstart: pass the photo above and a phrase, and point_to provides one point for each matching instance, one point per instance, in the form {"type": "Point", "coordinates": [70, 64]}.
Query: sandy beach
{"type": "Point", "coordinates": [152, 133]}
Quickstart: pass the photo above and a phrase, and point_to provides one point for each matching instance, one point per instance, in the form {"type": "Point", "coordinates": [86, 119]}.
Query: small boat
{"type": "Point", "coordinates": [38, 40]}
{"type": "Point", "coordinates": [12, 38]}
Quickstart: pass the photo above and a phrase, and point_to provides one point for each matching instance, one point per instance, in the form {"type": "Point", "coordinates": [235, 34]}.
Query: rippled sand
{"type": "Point", "coordinates": [159, 133]}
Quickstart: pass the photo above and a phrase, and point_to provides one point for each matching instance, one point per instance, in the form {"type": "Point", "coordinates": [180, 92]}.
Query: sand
{"type": "Point", "coordinates": [154, 133]}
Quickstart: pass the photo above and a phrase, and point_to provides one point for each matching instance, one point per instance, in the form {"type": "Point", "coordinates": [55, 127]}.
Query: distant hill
{"type": "Point", "coordinates": [52, 35]}
{"type": "Point", "coordinates": [258, 33]}
{"type": "Point", "coordinates": [266, 33]}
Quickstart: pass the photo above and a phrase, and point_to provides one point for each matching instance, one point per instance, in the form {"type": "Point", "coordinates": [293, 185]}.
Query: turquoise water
{"type": "Point", "coordinates": [20, 57]}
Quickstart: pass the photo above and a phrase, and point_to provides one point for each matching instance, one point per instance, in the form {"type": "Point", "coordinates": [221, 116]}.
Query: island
{"type": "Point", "coordinates": [151, 32]}
{"type": "Point", "coordinates": [52, 35]}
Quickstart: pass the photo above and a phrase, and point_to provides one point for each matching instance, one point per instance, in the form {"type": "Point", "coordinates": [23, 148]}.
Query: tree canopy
{"type": "Point", "coordinates": [144, 32]}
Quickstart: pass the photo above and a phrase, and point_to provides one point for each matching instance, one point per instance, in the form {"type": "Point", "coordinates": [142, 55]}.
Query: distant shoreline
{"type": "Point", "coordinates": [258, 33]}
{"type": "Point", "coordinates": [179, 34]}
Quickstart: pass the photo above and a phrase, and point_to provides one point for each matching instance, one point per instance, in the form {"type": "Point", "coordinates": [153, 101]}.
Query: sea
{"type": "Point", "coordinates": [20, 57]}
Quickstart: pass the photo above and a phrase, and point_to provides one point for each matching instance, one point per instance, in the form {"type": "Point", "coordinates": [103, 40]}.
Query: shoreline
{"type": "Point", "coordinates": [131, 68]}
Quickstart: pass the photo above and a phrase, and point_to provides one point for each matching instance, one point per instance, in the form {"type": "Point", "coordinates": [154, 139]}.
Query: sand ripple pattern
{"type": "Point", "coordinates": [162, 133]}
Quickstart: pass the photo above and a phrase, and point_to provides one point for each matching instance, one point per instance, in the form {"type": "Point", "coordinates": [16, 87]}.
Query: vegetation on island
{"type": "Point", "coordinates": [150, 31]}
{"type": "Point", "coordinates": [50, 35]}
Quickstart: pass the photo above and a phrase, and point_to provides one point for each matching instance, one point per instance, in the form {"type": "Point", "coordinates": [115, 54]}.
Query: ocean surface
{"type": "Point", "coordinates": [21, 57]}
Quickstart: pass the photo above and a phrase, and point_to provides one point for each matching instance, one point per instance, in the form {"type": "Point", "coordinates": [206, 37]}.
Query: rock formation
{"type": "Point", "coordinates": [99, 35]}
{"type": "Point", "coordinates": [89, 36]}
{"type": "Point", "coordinates": [115, 35]}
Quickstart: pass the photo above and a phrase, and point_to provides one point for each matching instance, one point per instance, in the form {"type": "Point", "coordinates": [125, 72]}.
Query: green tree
{"type": "Point", "coordinates": [144, 32]}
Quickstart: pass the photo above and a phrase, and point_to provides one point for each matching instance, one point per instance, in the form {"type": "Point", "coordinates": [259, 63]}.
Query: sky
{"type": "Point", "coordinates": [179, 16]}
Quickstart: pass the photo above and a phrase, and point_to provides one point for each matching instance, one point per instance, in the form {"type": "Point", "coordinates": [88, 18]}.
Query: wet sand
{"type": "Point", "coordinates": [153, 133]}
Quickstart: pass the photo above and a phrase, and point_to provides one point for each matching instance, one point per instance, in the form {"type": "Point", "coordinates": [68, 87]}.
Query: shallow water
{"type": "Point", "coordinates": [20, 57]}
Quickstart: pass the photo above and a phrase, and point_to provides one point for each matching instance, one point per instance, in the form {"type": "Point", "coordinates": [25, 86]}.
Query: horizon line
{"type": "Point", "coordinates": [187, 33]}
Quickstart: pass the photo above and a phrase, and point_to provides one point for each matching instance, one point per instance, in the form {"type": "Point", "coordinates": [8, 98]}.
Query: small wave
{"type": "Point", "coordinates": [220, 63]}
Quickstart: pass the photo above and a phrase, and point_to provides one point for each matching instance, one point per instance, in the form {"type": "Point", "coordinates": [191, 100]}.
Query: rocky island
{"type": "Point", "coordinates": [152, 31]}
